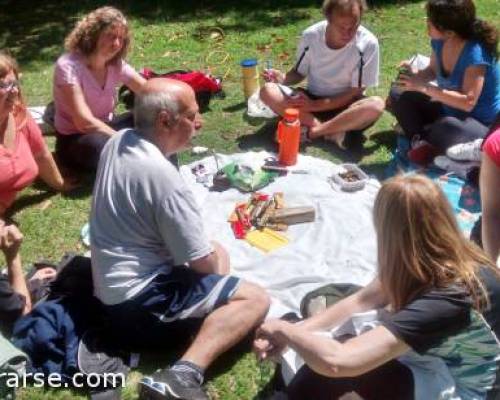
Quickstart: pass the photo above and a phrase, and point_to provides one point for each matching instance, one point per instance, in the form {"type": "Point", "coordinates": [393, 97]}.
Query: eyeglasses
{"type": "Point", "coordinates": [8, 86]}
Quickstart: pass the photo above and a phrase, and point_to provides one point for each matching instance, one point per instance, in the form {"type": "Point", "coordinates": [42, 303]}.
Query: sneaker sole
{"type": "Point", "coordinates": [146, 392]}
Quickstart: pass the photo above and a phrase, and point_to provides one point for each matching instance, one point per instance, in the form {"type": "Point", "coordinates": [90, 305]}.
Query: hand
{"type": "Point", "coordinates": [269, 340]}
{"type": "Point", "coordinates": [44, 274]}
{"type": "Point", "coordinates": [410, 82]}
{"type": "Point", "coordinates": [10, 240]}
{"type": "Point", "coordinates": [273, 75]}
{"type": "Point", "coordinates": [300, 101]}
{"type": "Point", "coordinates": [405, 64]}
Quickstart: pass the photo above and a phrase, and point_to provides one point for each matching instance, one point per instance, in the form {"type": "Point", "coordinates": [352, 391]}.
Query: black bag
{"type": "Point", "coordinates": [74, 277]}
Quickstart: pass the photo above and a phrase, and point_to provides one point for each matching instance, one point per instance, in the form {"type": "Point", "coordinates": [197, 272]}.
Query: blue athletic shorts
{"type": "Point", "coordinates": [170, 307]}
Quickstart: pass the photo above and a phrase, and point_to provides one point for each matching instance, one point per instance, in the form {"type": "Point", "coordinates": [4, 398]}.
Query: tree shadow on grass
{"type": "Point", "coordinates": [386, 138]}
{"type": "Point", "coordinates": [34, 31]}
{"type": "Point", "coordinates": [378, 170]}
{"type": "Point", "coordinates": [235, 107]}
{"type": "Point", "coordinates": [28, 200]}
{"type": "Point", "coordinates": [164, 357]}
{"type": "Point", "coordinates": [46, 193]}
{"type": "Point", "coordinates": [382, 3]}
{"type": "Point", "coordinates": [262, 139]}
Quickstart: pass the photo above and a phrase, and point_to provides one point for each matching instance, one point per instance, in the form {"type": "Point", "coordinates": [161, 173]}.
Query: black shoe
{"type": "Point", "coordinates": [167, 384]}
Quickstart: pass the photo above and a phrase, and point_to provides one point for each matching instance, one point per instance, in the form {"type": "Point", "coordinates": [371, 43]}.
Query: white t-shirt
{"type": "Point", "coordinates": [330, 72]}
{"type": "Point", "coordinates": [144, 219]}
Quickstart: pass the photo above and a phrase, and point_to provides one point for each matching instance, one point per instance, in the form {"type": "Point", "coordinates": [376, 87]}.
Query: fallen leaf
{"type": "Point", "coordinates": [227, 136]}
{"type": "Point", "coordinates": [284, 56]}
{"type": "Point", "coordinates": [216, 35]}
{"type": "Point", "coordinates": [45, 204]}
{"type": "Point", "coordinates": [171, 53]}
{"type": "Point", "coordinates": [264, 47]}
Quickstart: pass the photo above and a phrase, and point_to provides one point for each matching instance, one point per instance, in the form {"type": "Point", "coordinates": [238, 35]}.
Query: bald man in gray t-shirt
{"type": "Point", "coordinates": [152, 265]}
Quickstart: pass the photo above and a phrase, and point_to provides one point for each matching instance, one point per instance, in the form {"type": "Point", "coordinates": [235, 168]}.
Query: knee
{"type": "Point", "coordinates": [257, 298]}
{"type": "Point", "coordinates": [445, 124]}
{"type": "Point", "coordinates": [374, 107]}
{"type": "Point", "coordinates": [377, 104]}
{"type": "Point", "coordinates": [446, 121]}
{"type": "Point", "coordinates": [268, 92]}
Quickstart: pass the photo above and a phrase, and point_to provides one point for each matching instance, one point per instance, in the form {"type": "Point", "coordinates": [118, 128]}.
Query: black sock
{"type": "Point", "coordinates": [187, 367]}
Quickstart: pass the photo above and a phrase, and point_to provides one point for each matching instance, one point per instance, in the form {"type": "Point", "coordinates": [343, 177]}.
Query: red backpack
{"type": "Point", "coordinates": [204, 86]}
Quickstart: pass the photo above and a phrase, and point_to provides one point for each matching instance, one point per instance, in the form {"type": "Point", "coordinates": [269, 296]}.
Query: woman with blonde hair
{"type": "Point", "coordinates": [23, 152]}
{"type": "Point", "coordinates": [85, 83]}
{"type": "Point", "coordinates": [436, 335]}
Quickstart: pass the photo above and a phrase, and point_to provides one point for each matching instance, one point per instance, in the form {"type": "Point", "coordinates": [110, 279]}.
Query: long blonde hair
{"type": "Point", "coordinates": [8, 64]}
{"type": "Point", "coordinates": [420, 245]}
{"type": "Point", "coordinates": [83, 38]}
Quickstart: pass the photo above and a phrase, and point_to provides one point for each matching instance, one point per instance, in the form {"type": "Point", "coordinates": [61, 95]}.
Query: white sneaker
{"type": "Point", "coordinates": [470, 151]}
{"type": "Point", "coordinates": [459, 168]}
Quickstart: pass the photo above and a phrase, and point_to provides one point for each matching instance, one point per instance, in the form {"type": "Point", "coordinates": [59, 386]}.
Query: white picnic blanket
{"type": "Point", "coordinates": [340, 246]}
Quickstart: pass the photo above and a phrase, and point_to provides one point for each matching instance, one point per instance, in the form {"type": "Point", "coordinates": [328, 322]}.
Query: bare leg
{"type": "Point", "coordinates": [227, 325]}
{"type": "Point", "coordinates": [359, 115]}
{"type": "Point", "coordinates": [489, 183]}
{"type": "Point", "coordinates": [272, 96]}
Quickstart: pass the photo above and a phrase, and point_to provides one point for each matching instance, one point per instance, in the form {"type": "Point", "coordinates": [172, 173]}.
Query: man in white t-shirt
{"type": "Point", "coordinates": [340, 59]}
{"type": "Point", "coordinates": [158, 276]}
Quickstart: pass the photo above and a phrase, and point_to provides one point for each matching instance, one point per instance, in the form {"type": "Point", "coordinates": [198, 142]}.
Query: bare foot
{"type": "Point", "coordinates": [337, 138]}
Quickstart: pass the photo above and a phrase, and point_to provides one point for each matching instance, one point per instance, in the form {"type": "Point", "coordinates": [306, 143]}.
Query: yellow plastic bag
{"type": "Point", "coordinates": [266, 239]}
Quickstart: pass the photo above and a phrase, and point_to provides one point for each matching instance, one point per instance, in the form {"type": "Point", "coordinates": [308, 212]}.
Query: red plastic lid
{"type": "Point", "coordinates": [291, 113]}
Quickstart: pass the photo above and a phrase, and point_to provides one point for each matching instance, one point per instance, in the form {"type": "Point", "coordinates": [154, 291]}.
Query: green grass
{"type": "Point", "coordinates": [175, 34]}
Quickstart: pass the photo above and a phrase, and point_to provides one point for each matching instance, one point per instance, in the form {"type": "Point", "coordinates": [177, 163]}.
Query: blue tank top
{"type": "Point", "coordinates": [473, 53]}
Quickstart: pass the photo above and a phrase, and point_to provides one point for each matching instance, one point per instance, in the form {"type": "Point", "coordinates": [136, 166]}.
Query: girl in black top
{"type": "Point", "coordinates": [431, 283]}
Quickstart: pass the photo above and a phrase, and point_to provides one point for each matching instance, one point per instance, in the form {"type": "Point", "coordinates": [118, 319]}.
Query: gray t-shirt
{"type": "Point", "coordinates": [144, 219]}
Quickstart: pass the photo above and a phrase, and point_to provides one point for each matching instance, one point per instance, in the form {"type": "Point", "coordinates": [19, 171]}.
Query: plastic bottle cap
{"type": "Point", "coordinates": [249, 62]}
{"type": "Point", "coordinates": [291, 113]}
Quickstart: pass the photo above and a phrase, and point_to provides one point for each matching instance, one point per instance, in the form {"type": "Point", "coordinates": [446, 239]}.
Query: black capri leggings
{"type": "Point", "coordinates": [417, 114]}
{"type": "Point", "coordinates": [393, 381]}
{"type": "Point", "coordinates": [81, 152]}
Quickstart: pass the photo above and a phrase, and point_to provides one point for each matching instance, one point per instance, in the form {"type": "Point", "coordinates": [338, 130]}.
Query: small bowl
{"type": "Point", "coordinates": [349, 186]}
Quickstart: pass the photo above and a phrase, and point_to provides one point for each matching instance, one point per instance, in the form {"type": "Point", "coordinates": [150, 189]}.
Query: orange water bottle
{"type": "Point", "coordinates": [288, 136]}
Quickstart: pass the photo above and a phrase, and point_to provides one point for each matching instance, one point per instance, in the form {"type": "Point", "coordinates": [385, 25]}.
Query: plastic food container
{"type": "Point", "coordinates": [342, 179]}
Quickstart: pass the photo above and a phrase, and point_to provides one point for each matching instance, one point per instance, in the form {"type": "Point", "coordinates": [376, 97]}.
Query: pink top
{"type": "Point", "coordinates": [492, 146]}
{"type": "Point", "coordinates": [70, 69]}
{"type": "Point", "coordinates": [18, 166]}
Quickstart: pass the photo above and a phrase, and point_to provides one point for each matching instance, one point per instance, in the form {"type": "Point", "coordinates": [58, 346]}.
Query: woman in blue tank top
{"type": "Point", "coordinates": [464, 64]}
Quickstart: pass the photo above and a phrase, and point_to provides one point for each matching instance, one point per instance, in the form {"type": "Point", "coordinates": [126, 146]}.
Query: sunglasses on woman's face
{"type": "Point", "coordinates": [8, 86]}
